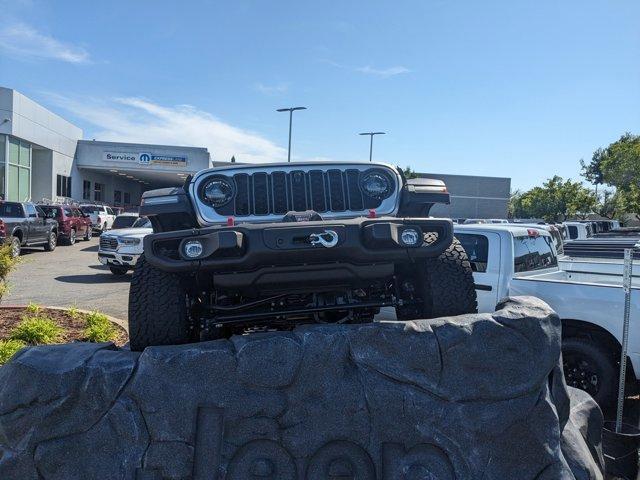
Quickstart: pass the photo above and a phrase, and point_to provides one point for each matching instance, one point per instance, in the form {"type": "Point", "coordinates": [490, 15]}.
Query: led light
{"type": "Point", "coordinates": [376, 184]}
{"type": "Point", "coordinates": [128, 241]}
{"type": "Point", "coordinates": [217, 192]}
{"type": "Point", "coordinates": [410, 236]}
{"type": "Point", "coordinates": [193, 248]}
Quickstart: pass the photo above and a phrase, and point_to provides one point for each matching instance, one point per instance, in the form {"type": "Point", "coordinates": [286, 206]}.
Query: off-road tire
{"type": "Point", "coordinates": [448, 287]}
{"type": "Point", "coordinates": [157, 308]}
{"type": "Point", "coordinates": [15, 247]}
{"type": "Point", "coordinates": [52, 242]}
{"type": "Point", "coordinates": [118, 270]}
{"type": "Point", "coordinates": [601, 362]}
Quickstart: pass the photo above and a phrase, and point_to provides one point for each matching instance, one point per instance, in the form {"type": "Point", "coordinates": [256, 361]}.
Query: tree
{"type": "Point", "coordinates": [555, 201]}
{"type": "Point", "coordinates": [409, 173]}
{"type": "Point", "coordinates": [618, 165]}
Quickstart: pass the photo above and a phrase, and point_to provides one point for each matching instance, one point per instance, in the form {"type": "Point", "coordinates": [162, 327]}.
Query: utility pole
{"type": "Point", "coordinates": [290, 110]}
{"type": "Point", "coordinates": [371, 134]}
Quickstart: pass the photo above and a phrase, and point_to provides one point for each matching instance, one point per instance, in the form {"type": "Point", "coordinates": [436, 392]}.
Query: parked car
{"type": "Point", "coordinates": [121, 248]}
{"type": "Point", "coordinates": [72, 222]}
{"type": "Point", "coordinates": [102, 217]}
{"type": "Point", "coordinates": [515, 260]}
{"type": "Point", "coordinates": [579, 230]}
{"type": "Point", "coordinates": [271, 246]}
{"type": "Point", "coordinates": [24, 224]}
{"type": "Point", "coordinates": [125, 220]}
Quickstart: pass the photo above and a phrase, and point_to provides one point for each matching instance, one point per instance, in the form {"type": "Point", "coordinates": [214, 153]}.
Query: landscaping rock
{"type": "Point", "coordinates": [468, 397]}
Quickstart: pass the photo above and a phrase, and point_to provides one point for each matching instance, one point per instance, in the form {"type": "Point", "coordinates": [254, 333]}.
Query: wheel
{"type": "Point", "coordinates": [118, 270]}
{"type": "Point", "coordinates": [15, 247]}
{"type": "Point", "coordinates": [89, 233]}
{"type": "Point", "coordinates": [50, 246]}
{"type": "Point", "coordinates": [72, 236]}
{"type": "Point", "coordinates": [591, 367]}
{"type": "Point", "coordinates": [447, 286]}
{"type": "Point", "coordinates": [104, 227]}
{"type": "Point", "coordinates": [157, 308]}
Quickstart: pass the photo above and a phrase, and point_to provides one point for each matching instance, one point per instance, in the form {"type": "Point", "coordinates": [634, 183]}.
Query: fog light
{"type": "Point", "coordinates": [410, 236]}
{"type": "Point", "coordinates": [193, 248]}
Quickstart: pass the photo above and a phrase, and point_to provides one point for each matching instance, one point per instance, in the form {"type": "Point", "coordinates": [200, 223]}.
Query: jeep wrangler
{"type": "Point", "coordinates": [256, 247]}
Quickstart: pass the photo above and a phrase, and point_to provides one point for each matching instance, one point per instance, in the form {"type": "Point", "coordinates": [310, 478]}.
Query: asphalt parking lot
{"type": "Point", "coordinates": [68, 276]}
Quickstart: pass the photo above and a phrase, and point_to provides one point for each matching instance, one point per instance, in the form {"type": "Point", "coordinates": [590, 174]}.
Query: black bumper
{"type": "Point", "coordinates": [247, 247]}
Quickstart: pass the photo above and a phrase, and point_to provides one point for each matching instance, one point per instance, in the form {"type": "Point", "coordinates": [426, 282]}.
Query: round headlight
{"type": "Point", "coordinates": [217, 192]}
{"type": "Point", "coordinates": [193, 248]}
{"type": "Point", "coordinates": [376, 185]}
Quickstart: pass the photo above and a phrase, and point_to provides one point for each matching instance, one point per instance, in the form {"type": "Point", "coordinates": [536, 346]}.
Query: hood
{"type": "Point", "coordinates": [129, 232]}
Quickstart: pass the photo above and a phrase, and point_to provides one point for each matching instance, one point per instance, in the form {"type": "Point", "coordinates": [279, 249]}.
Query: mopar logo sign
{"type": "Point", "coordinates": [145, 159]}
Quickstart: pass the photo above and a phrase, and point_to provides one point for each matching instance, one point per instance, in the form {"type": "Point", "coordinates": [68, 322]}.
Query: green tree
{"type": "Point", "coordinates": [409, 173]}
{"type": "Point", "coordinates": [555, 201]}
{"type": "Point", "coordinates": [618, 165]}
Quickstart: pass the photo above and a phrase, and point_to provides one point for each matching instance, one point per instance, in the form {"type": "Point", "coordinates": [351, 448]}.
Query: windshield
{"type": "Point", "coordinates": [124, 221]}
{"type": "Point", "coordinates": [142, 222]}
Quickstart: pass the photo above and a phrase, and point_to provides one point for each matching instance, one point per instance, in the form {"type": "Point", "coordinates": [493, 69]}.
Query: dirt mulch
{"type": "Point", "coordinates": [73, 327]}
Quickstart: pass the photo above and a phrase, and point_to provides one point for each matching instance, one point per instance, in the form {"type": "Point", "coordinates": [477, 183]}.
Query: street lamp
{"type": "Point", "coordinates": [290, 110]}
{"type": "Point", "coordinates": [371, 134]}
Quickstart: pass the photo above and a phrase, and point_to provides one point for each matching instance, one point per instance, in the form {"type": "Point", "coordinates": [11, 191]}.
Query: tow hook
{"type": "Point", "coordinates": [328, 238]}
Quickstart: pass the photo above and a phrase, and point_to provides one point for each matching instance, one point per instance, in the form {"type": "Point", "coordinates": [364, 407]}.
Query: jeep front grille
{"type": "Point", "coordinates": [279, 192]}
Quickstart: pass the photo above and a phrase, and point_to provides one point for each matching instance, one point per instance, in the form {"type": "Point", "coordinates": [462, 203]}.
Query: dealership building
{"type": "Point", "coordinates": [43, 157]}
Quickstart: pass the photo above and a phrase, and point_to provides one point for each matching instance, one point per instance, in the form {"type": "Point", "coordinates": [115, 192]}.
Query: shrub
{"type": "Point", "coordinates": [36, 330]}
{"type": "Point", "coordinates": [73, 312]}
{"type": "Point", "coordinates": [34, 308]}
{"type": "Point", "coordinates": [7, 263]}
{"type": "Point", "coordinates": [8, 348]}
{"type": "Point", "coordinates": [99, 328]}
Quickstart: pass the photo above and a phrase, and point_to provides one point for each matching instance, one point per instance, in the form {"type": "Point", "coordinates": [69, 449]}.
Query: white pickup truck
{"type": "Point", "coordinates": [513, 260]}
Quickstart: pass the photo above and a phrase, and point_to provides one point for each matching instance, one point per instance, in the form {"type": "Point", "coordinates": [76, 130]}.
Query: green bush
{"type": "Point", "coordinates": [8, 348]}
{"type": "Point", "coordinates": [34, 308]}
{"type": "Point", "coordinates": [36, 331]}
{"type": "Point", "coordinates": [7, 263]}
{"type": "Point", "coordinates": [99, 328]}
{"type": "Point", "coordinates": [73, 312]}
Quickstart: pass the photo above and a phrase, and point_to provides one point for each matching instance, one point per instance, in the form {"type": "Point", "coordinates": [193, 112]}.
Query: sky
{"type": "Point", "coordinates": [510, 88]}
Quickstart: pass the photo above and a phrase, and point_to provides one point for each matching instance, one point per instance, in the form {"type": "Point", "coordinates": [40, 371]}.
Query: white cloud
{"type": "Point", "coordinates": [138, 120]}
{"type": "Point", "coordinates": [23, 40]}
{"type": "Point", "coordinates": [383, 72]}
{"type": "Point", "coordinates": [277, 89]}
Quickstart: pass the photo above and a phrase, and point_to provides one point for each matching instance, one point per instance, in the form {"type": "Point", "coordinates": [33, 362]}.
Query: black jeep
{"type": "Point", "coordinates": [253, 247]}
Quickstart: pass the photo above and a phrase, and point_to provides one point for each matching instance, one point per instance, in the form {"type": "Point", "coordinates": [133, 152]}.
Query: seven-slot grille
{"type": "Point", "coordinates": [108, 243]}
{"type": "Point", "coordinates": [278, 192]}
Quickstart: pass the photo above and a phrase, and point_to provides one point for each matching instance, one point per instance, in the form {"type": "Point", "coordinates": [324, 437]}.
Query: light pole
{"type": "Point", "coordinates": [371, 134]}
{"type": "Point", "coordinates": [290, 110]}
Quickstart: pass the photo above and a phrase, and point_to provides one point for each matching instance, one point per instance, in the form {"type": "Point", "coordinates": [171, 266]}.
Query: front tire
{"type": "Point", "coordinates": [446, 286]}
{"type": "Point", "coordinates": [590, 367]}
{"type": "Point", "coordinates": [157, 308]}
{"type": "Point", "coordinates": [89, 233]}
{"type": "Point", "coordinates": [118, 270]}
{"type": "Point", "coordinates": [52, 242]}
{"type": "Point", "coordinates": [72, 237]}
{"type": "Point", "coordinates": [15, 247]}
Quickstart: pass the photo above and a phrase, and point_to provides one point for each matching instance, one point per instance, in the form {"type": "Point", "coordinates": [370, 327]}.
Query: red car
{"type": "Point", "coordinates": [72, 222]}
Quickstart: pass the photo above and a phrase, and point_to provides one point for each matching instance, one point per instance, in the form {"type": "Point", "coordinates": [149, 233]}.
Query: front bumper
{"type": "Point", "coordinates": [247, 247]}
{"type": "Point", "coordinates": [121, 259]}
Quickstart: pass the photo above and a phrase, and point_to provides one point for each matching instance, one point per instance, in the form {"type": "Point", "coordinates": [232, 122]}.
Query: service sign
{"type": "Point", "coordinates": [145, 159]}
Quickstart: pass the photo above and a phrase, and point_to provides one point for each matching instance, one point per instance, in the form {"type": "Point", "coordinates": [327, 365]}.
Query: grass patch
{"type": "Point", "coordinates": [73, 312]}
{"type": "Point", "coordinates": [36, 330]}
{"type": "Point", "coordinates": [8, 348]}
{"type": "Point", "coordinates": [99, 328]}
{"type": "Point", "coordinates": [34, 308]}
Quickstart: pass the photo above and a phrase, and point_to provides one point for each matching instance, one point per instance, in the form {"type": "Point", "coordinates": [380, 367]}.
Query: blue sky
{"type": "Point", "coordinates": [504, 88]}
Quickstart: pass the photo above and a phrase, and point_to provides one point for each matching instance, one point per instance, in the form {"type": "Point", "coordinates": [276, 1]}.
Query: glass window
{"type": "Point", "coordinates": [24, 184]}
{"type": "Point", "coordinates": [142, 222]}
{"type": "Point", "coordinates": [477, 248]}
{"type": "Point", "coordinates": [3, 139]}
{"type": "Point", "coordinates": [89, 209]}
{"type": "Point", "coordinates": [127, 198]}
{"type": "Point", "coordinates": [63, 186]}
{"type": "Point", "coordinates": [533, 253]}
{"type": "Point", "coordinates": [117, 197]}
{"type": "Point", "coordinates": [109, 211]}
{"type": "Point", "coordinates": [51, 212]}
{"type": "Point", "coordinates": [573, 232]}
{"type": "Point", "coordinates": [25, 154]}
{"type": "Point", "coordinates": [97, 192]}
{"type": "Point", "coordinates": [12, 194]}
{"type": "Point", "coordinates": [124, 221]}
{"type": "Point", "coordinates": [14, 151]}
{"type": "Point", "coordinates": [40, 211]}
{"type": "Point", "coordinates": [13, 210]}
{"type": "Point", "coordinates": [68, 212]}
{"type": "Point", "coordinates": [31, 210]}
{"type": "Point", "coordinates": [86, 190]}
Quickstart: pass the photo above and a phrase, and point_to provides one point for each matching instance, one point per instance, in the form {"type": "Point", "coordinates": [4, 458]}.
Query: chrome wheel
{"type": "Point", "coordinates": [15, 247]}
{"type": "Point", "coordinates": [72, 237]}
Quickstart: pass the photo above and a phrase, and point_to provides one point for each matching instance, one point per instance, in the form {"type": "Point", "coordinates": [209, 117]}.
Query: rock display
{"type": "Point", "coordinates": [469, 397]}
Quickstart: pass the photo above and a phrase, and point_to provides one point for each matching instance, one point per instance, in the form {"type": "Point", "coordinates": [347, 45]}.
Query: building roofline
{"type": "Point", "coordinates": [148, 145]}
{"type": "Point", "coordinates": [427, 175]}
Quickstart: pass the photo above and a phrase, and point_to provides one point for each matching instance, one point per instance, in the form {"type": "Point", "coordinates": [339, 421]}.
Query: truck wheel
{"type": "Point", "coordinates": [449, 287]}
{"type": "Point", "coordinates": [50, 246]}
{"type": "Point", "coordinates": [157, 308]}
{"type": "Point", "coordinates": [590, 367]}
{"type": "Point", "coordinates": [15, 247]}
{"type": "Point", "coordinates": [118, 270]}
